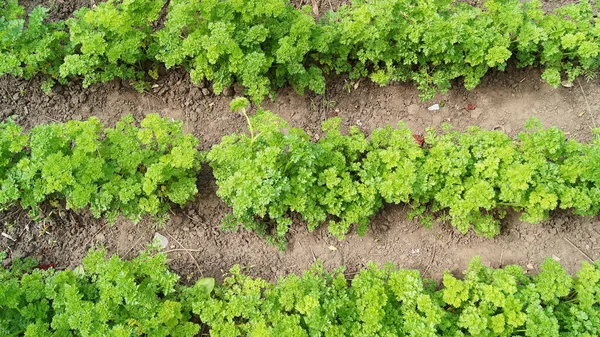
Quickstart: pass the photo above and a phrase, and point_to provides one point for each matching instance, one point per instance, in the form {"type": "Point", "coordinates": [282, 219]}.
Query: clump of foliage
{"type": "Point", "coordinates": [31, 46]}
{"type": "Point", "coordinates": [261, 44]}
{"type": "Point", "coordinates": [141, 298]}
{"type": "Point", "coordinates": [432, 42]}
{"type": "Point", "coordinates": [474, 176]}
{"type": "Point", "coordinates": [111, 41]}
{"type": "Point", "coordinates": [102, 298]}
{"type": "Point", "coordinates": [397, 302]}
{"type": "Point", "coordinates": [266, 44]}
{"type": "Point", "coordinates": [125, 170]}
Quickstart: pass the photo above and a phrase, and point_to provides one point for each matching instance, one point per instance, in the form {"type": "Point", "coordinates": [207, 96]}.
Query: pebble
{"type": "Point", "coordinates": [196, 93]}
{"type": "Point", "coordinates": [413, 109]}
{"type": "Point", "coordinates": [238, 89]}
{"type": "Point", "coordinates": [228, 92]}
{"type": "Point", "coordinates": [475, 114]}
{"type": "Point", "coordinates": [176, 220]}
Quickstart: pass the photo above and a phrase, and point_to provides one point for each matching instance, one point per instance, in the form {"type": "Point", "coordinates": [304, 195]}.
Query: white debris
{"type": "Point", "coordinates": [163, 241]}
{"type": "Point", "coordinates": [8, 236]}
{"type": "Point", "coordinates": [434, 107]}
{"type": "Point", "coordinates": [567, 84]}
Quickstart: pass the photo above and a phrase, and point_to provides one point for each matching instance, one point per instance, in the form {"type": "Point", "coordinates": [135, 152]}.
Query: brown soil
{"type": "Point", "coordinates": [504, 100]}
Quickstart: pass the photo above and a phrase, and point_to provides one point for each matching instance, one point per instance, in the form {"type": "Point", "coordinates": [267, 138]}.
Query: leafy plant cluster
{"type": "Point", "coordinates": [266, 44]}
{"type": "Point", "coordinates": [31, 45]}
{"type": "Point", "coordinates": [473, 177]}
{"type": "Point", "coordinates": [432, 42]}
{"type": "Point", "coordinates": [142, 298]}
{"type": "Point", "coordinates": [262, 44]}
{"type": "Point", "coordinates": [111, 41]}
{"type": "Point", "coordinates": [103, 297]}
{"type": "Point", "coordinates": [98, 45]}
{"type": "Point", "coordinates": [127, 169]}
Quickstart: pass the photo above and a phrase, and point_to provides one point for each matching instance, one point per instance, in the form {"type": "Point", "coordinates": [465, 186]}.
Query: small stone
{"type": "Point", "coordinates": [6, 263]}
{"type": "Point", "coordinates": [100, 237]}
{"type": "Point", "coordinates": [228, 92]}
{"type": "Point", "coordinates": [475, 114]}
{"type": "Point", "coordinates": [186, 229]}
{"type": "Point", "coordinates": [196, 93]}
{"type": "Point", "coordinates": [238, 89]}
{"type": "Point", "coordinates": [176, 220]}
{"type": "Point", "coordinates": [529, 266]}
{"type": "Point", "coordinates": [413, 109]}
{"type": "Point", "coordinates": [205, 92]}
{"type": "Point", "coordinates": [16, 96]}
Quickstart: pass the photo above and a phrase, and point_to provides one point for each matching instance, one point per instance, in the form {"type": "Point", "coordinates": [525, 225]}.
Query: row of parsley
{"type": "Point", "coordinates": [266, 44]}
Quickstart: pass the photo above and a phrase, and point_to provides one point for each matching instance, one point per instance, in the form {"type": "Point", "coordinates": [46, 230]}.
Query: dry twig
{"type": "Point", "coordinates": [581, 251]}
{"type": "Point", "coordinates": [188, 251]}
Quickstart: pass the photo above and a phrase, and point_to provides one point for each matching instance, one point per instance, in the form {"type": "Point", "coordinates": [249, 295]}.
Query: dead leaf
{"type": "Point", "coordinates": [420, 140]}
{"type": "Point", "coordinates": [470, 107]}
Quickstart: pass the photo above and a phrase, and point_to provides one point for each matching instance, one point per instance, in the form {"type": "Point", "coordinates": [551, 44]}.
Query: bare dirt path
{"type": "Point", "coordinates": [504, 101]}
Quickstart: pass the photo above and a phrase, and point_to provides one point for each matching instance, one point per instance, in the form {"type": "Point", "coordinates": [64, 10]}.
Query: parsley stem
{"type": "Point", "coordinates": [512, 204]}
{"type": "Point", "coordinates": [249, 125]}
